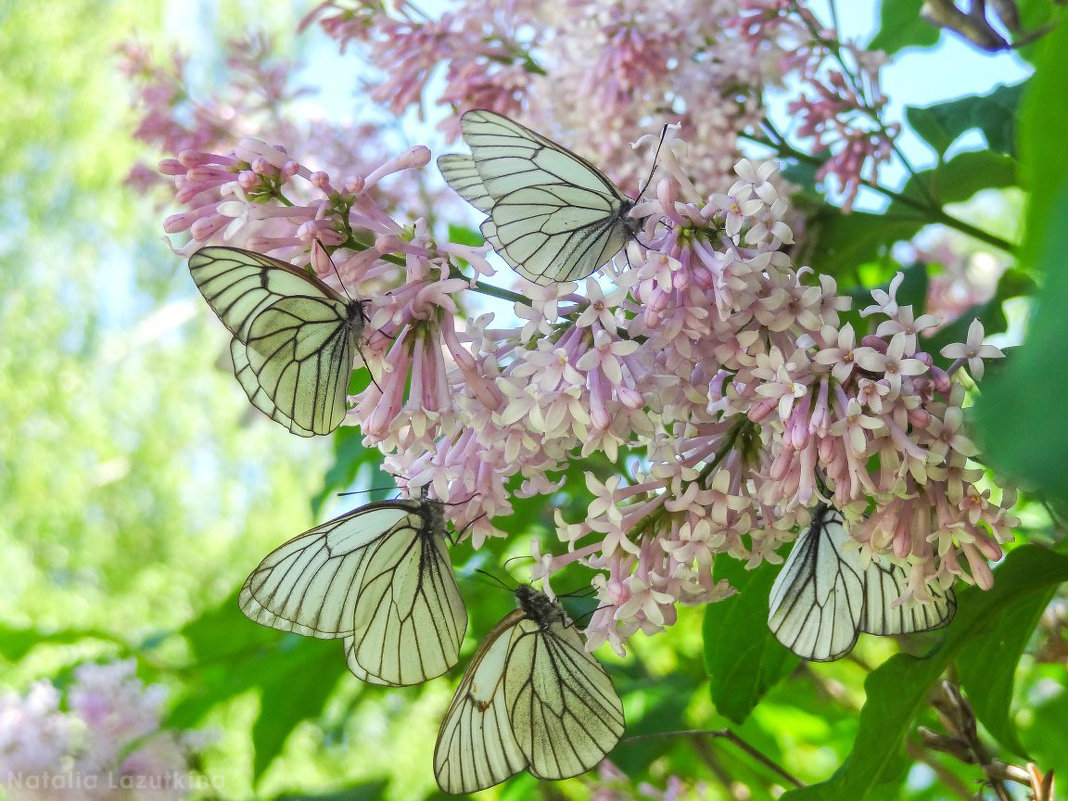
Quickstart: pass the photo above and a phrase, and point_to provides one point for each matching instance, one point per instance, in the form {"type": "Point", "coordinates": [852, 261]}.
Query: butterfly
{"type": "Point", "coordinates": [294, 336]}
{"type": "Point", "coordinates": [381, 578]}
{"type": "Point", "coordinates": [823, 597]}
{"type": "Point", "coordinates": [553, 216]}
{"type": "Point", "coordinates": [532, 698]}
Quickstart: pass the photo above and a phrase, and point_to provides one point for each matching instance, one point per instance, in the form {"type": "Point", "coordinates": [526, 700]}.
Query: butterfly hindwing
{"type": "Point", "coordinates": [294, 336]}
{"type": "Point", "coordinates": [531, 698]}
{"type": "Point", "coordinates": [553, 216]}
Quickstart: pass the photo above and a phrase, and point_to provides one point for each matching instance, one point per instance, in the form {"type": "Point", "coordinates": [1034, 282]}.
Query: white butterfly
{"type": "Point", "coordinates": [553, 216]}
{"type": "Point", "coordinates": [294, 336]}
{"type": "Point", "coordinates": [381, 578]}
{"type": "Point", "coordinates": [531, 698]}
{"type": "Point", "coordinates": [823, 597]}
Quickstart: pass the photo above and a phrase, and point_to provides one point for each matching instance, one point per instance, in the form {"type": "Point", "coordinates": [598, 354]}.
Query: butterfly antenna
{"type": "Point", "coordinates": [656, 155]}
{"type": "Point", "coordinates": [494, 578]}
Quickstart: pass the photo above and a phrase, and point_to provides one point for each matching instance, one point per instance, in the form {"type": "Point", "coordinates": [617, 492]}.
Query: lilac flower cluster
{"type": "Point", "coordinates": [710, 355]}
{"type": "Point", "coordinates": [724, 384]}
{"type": "Point", "coordinates": [106, 743]}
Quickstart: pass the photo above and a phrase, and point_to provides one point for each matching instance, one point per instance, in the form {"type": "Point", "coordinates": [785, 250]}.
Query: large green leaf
{"type": "Point", "coordinates": [993, 113]}
{"type": "Point", "coordinates": [1020, 412]}
{"type": "Point", "coordinates": [954, 181]}
{"type": "Point", "coordinates": [898, 688]}
{"type": "Point", "coordinates": [743, 658]}
{"type": "Point", "coordinates": [900, 25]}
{"type": "Point", "coordinates": [987, 666]}
{"type": "Point", "coordinates": [294, 675]}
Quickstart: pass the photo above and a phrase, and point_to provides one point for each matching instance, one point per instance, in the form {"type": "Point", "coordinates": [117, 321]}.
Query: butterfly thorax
{"type": "Point", "coordinates": [433, 514]}
{"type": "Point", "coordinates": [537, 606]}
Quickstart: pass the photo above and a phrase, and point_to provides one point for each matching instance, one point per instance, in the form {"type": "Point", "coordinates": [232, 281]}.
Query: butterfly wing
{"type": "Point", "coordinates": [409, 619]}
{"type": "Point", "coordinates": [824, 596]}
{"type": "Point", "coordinates": [476, 747]}
{"type": "Point", "coordinates": [564, 711]}
{"type": "Point", "coordinates": [817, 599]}
{"type": "Point", "coordinates": [885, 583]}
{"type": "Point", "coordinates": [294, 336]}
{"type": "Point", "coordinates": [531, 698]}
{"type": "Point", "coordinates": [309, 585]}
{"type": "Point", "coordinates": [380, 577]}
{"type": "Point", "coordinates": [553, 216]}
{"type": "Point", "coordinates": [460, 173]}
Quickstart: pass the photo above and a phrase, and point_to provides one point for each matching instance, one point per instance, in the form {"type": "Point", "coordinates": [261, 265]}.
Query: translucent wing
{"type": "Point", "coordinates": [823, 596]}
{"type": "Point", "coordinates": [294, 336]}
{"type": "Point", "coordinates": [460, 173]}
{"type": "Point", "coordinates": [818, 597]}
{"type": "Point", "coordinates": [885, 583]}
{"type": "Point", "coordinates": [476, 747]}
{"type": "Point", "coordinates": [553, 216]}
{"type": "Point", "coordinates": [532, 698]}
{"type": "Point", "coordinates": [409, 620]}
{"type": "Point", "coordinates": [380, 577]}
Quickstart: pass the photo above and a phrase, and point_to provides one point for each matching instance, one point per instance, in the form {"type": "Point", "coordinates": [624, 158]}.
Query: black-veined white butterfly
{"type": "Point", "coordinates": [553, 216]}
{"type": "Point", "coordinates": [294, 336]}
{"type": "Point", "coordinates": [823, 597]}
{"type": "Point", "coordinates": [381, 578]}
{"type": "Point", "coordinates": [531, 698]}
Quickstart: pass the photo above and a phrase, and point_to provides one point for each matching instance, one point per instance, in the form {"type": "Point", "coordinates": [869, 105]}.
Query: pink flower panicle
{"type": "Point", "coordinates": [108, 739]}
{"type": "Point", "coordinates": [705, 350]}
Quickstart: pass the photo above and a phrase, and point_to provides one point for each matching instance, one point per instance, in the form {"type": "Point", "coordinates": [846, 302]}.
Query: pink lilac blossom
{"type": "Point", "coordinates": [709, 355]}
{"type": "Point", "coordinates": [107, 743]}
{"type": "Point", "coordinates": [601, 71]}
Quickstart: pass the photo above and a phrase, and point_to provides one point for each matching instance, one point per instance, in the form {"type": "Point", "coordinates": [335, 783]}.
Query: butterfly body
{"type": "Point", "coordinates": [824, 596]}
{"type": "Point", "coordinates": [294, 336]}
{"type": "Point", "coordinates": [532, 698]}
{"type": "Point", "coordinates": [378, 577]}
{"type": "Point", "coordinates": [552, 215]}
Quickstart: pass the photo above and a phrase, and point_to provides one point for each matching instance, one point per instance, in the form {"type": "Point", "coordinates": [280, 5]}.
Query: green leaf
{"type": "Point", "coordinates": [987, 667]}
{"type": "Point", "coordinates": [954, 181]}
{"type": "Point", "coordinates": [1019, 412]}
{"type": "Point", "coordinates": [742, 656]}
{"type": "Point", "coordinates": [232, 655]}
{"type": "Point", "coordinates": [898, 688]}
{"type": "Point", "coordinates": [294, 686]}
{"type": "Point", "coordinates": [370, 791]}
{"type": "Point", "coordinates": [993, 113]}
{"type": "Point", "coordinates": [16, 642]}
{"type": "Point", "coordinates": [842, 242]}
{"type": "Point", "coordinates": [900, 25]}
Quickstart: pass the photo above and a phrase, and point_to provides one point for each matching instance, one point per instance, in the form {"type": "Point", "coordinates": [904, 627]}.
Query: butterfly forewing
{"type": "Point", "coordinates": [460, 173]}
{"type": "Point", "coordinates": [565, 713]}
{"type": "Point", "coordinates": [552, 215]}
{"type": "Point", "coordinates": [532, 698]}
{"type": "Point", "coordinates": [413, 629]}
{"type": "Point", "coordinates": [380, 578]}
{"type": "Point", "coordinates": [476, 747]}
{"type": "Point", "coordinates": [294, 336]}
